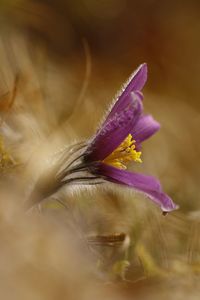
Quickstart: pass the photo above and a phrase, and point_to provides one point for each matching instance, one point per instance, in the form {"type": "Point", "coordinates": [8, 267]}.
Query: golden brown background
{"type": "Point", "coordinates": [68, 59]}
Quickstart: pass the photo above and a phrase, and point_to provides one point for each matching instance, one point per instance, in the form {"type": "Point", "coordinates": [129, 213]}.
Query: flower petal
{"type": "Point", "coordinates": [121, 104]}
{"type": "Point", "coordinates": [134, 84]}
{"type": "Point", "coordinates": [112, 134]}
{"type": "Point", "coordinates": [136, 81]}
{"type": "Point", "coordinates": [146, 184]}
{"type": "Point", "coordinates": [144, 128]}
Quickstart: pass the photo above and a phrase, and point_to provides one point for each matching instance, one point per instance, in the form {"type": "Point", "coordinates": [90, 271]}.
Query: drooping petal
{"type": "Point", "coordinates": [112, 134]}
{"type": "Point", "coordinates": [144, 128]}
{"type": "Point", "coordinates": [134, 84]}
{"type": "Point", "coordinates": [143, 183]}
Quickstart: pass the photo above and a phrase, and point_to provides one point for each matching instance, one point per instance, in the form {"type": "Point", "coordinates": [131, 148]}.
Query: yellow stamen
{"type": "Point", "coordinates": [123, 154]}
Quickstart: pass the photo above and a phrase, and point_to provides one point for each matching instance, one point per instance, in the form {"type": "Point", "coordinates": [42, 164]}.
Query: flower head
{"type": "Point", "coordinates": [119, 140]}
{"type": "Point", "coordinates": [107, 155]}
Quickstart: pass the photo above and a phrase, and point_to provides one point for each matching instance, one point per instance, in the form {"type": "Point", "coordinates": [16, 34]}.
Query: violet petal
{"type": "Point", "coordinates": [144, 128]}
{"type": "Point", "coordinates": [112, 134]}
{"type": "Point", "coordinates": [121, 104]}
{"type": "Point", "coordinates": [134, 84]}
{"type": "Point", "coordinates": [146, 184]}
{"type": "Point", "coordinates": [136, 81]}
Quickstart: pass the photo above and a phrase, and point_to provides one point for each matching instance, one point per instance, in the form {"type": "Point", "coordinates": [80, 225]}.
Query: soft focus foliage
{"type": "Point", "coordinates": [61, 62]}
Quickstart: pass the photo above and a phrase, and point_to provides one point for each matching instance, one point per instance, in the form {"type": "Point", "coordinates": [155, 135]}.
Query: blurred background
{"type": "Point", "coordinates": [62, 63]}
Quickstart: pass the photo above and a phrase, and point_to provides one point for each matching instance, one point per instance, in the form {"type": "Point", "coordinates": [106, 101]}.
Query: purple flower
{"type": "Point", "coordinates": [106, 156]}
{"type": "Point", "coordinates": [119, 140]}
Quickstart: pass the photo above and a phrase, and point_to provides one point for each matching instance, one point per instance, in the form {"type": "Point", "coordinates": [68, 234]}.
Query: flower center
{"type": "Point", "coordinates": [123, 154]}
